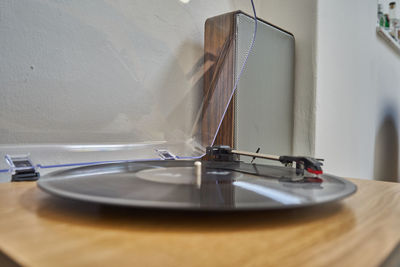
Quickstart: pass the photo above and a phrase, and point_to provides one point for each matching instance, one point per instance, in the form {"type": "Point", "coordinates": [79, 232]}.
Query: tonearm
{"type": "Point", "coordinates": [226, 153]}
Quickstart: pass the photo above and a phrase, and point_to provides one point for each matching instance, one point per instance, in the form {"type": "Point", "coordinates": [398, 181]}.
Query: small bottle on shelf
{"type": "Point", "coordinates": [393, 19]}
{"type": "Point", "coordinates": [387, 22]}
{"type": "Point", "coordinates": [392, 10]}
{"type": "Point", "coordinates": [381, 17]}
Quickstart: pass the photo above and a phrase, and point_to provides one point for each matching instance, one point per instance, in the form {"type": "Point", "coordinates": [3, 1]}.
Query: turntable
{"type": "Point", "coordinates": [221, 184]}
{"type": "Point", "coordinates": [171, 158]}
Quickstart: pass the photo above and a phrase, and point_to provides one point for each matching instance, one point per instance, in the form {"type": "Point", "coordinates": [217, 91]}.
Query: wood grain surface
{"type": "Point", "coordinates": [219, 76]}
{"type": "Point", "coordinates": [39, 230]}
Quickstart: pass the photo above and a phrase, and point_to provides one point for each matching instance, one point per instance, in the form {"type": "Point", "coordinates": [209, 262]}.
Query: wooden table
{"type": "Point", "coordinates": [39, 230]}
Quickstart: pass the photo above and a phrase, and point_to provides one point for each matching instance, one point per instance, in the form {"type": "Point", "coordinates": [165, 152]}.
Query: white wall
{"type": "Point", "coordinates": [55, 52]}
{"type": "Point", "coordinates": [101, 71]}
{"type": "Point", "coordinates": [347, 85]}
{"type": "Point", "coordinates": [358, 92]}
{"type": "Point", "coordinates": [299, 18]}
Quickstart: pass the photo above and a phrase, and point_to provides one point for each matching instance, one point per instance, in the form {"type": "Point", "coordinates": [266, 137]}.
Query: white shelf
{"type": "Point", "coordinates": [386, 35]}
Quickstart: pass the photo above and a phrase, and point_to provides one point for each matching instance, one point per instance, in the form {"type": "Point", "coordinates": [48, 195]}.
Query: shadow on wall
{"type": "Point", "coordinates": [386, 155]}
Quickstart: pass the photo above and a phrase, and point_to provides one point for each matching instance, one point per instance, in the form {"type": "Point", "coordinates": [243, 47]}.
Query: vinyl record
{"type": "Point", "coordinates": [181, 185]}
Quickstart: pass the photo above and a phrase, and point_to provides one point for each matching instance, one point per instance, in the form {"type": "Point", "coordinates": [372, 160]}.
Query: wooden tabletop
{"type": "Point", "coordinates": [39, 230]}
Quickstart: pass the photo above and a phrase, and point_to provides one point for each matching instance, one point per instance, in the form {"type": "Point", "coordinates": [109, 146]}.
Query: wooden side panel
{"type": "Point", "coordinates": [219, 64]}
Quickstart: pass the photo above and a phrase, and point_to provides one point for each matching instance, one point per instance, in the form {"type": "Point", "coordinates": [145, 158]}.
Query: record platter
{"type": "Point", "coordinates": [221, 184]}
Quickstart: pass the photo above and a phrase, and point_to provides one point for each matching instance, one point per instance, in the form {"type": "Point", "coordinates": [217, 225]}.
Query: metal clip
{"type": "Point", "coordinates": [22, 168]}
{"type": "Point", "coordinates": [165, 154]}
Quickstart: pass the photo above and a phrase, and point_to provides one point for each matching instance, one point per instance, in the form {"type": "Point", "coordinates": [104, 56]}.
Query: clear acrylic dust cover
{"type": "Point", "coordinates": [123, 83]}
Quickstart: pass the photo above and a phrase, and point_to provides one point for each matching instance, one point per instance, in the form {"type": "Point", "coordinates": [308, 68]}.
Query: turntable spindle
{"type": "Point", "coordinates": [197, 167]}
